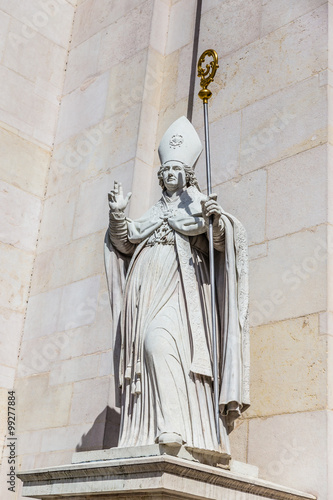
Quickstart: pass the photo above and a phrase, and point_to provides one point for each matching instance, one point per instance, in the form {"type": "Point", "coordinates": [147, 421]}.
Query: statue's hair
{"type": "Point", "coordinates": [191, 179]}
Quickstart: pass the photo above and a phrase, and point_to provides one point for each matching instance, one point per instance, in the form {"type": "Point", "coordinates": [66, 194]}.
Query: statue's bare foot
{"type": "Point", "coordinates": [170, 439]}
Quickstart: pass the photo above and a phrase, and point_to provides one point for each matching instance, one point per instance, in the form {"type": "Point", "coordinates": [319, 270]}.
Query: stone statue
{"type": "Point", "coordinates": [158, 277]}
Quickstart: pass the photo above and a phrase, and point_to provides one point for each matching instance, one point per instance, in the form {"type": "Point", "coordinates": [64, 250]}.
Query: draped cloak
{"type": "Point", "coordinates": [160, 302]}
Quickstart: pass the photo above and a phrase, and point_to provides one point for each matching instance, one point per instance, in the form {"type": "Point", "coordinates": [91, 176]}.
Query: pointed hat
{"type": "Point", "coordinates": [180, 142]}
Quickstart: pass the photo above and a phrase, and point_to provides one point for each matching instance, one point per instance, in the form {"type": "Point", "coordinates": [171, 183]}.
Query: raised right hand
{"type": "Point", "coordinates": [117, 201]}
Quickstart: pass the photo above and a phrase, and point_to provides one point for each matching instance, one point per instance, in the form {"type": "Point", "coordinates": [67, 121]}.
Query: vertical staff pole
{"type": "Point", "coordinates": [207, 75]}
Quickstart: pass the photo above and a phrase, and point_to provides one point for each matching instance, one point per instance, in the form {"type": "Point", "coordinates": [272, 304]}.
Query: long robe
{"type": "Point", "coordinates": [158, 277]}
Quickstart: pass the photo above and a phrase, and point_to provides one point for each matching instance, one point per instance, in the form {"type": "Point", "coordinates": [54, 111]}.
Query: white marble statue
{"type": "Point", "coordinates": [158, 276]}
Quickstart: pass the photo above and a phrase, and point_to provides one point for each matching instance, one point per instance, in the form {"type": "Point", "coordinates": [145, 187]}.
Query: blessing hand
{"type": "Point", "coordinates": [210, 207]}
{"type": "Point", "coordinates": [117, 201]}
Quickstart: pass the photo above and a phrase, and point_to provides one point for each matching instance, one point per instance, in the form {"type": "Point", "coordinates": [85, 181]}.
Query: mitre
{"type": "Point", "coordinates": [180, 142]}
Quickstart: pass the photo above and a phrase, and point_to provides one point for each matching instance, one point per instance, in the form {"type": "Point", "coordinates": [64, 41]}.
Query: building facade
{"type": "Point", "coordinates": [88, 89]}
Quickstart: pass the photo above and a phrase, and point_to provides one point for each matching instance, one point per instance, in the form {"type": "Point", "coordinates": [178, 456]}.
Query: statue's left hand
{"type": "Point", "coordinates": [211, 207]}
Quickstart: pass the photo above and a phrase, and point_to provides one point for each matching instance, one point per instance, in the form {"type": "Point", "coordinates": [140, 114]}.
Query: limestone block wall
{"type": "Point", "coordinates": [34, 39]}
{"type": "Point", "coordinates": [327, 318]}
{"type": "Point", "coordinates": [88, 98]}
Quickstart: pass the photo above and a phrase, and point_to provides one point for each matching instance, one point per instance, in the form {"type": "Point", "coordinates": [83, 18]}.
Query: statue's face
{"type": "Point", "coordinates": [174, 176]}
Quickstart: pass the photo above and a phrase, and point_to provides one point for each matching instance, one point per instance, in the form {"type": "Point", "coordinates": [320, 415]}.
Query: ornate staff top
{"type": "Point", "coordinates": [207, 74]}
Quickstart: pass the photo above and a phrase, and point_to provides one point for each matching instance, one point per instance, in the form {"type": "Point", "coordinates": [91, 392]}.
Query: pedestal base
{"type": "Point", "coordinates": [159, 477]}
{"type": "Point", "coordinates": [208, 457]}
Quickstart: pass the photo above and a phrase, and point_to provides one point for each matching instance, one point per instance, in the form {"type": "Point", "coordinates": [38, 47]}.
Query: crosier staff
{"type": "Point", "coordinates": [207, 75]}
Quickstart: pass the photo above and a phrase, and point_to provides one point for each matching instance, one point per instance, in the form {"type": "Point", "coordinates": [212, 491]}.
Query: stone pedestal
{"type": "Point", "coordinates": [207, 457]}
{"type": "Point", "coordinates": [158, 476]}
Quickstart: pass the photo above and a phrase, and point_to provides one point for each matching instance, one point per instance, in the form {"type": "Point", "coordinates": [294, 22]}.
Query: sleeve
{"type": "Point", "coordinates": [118, 233]}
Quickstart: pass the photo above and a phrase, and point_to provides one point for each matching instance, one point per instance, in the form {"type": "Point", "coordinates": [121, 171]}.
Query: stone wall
{"type": "Point", "coordinates": [34, 39]}
{"type": "Point", "coordinates": [91, 87]}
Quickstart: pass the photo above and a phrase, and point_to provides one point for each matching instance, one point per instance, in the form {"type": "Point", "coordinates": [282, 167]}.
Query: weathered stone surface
{"type": "Point", "coordinates": [270, 65]}
{"type": "Point", "coordinates": [43, 407]}
{"type": "Point", "coordinates": [209, 4]}
{"type": "Point", "coordinates": [329, 448]}
{"type": "Point", "coordinates": [4, 25]}
{"type": "Point", "coordinates": [20, 217]}
{"type": "Point", "coordinates": [169, 83]}
{"type": "Point", "coordinates": [92, 16]}
{"type": "Point", "coordinates": [68, 307]}
{"type": "Point", "coordinates": [52, 19]}
{"type": "Point", "coordinates": [15, 270]}
{"type": "Point", "coordinates": [329, 176]}
{"type": "Point", "coordinates": [238, 440]}
{"type": "Point", "coordinates": [37, 58]}
{"type": "Point", "coordinates": [158, 477]}
{"type": "Point", "coordinates": [31, 163]}
{"type": "Point", "coordinates": [143, 176]}
{"type": "Point", "coordinates": [62, 438]}
{"type": "Point", "coordinates": [251, 189]}
{"type": "Point", "coordinates": [243, 469]}
{"type": "Point", "coordinates": [129, 93]}
{"type": "Point", "coordinates": [7, 377]}
{"type": "Point", "coordinates": [181, 25]}
{"type": "Point", "coordinates": [90, 399]}
{"type": "Point", "coordinates": [82, 63]}
{"type": "Point", "coordinates": [284, 124]}
{"type": "Point", "coordinates": [147, 133]}
{"type": "Point", "coordinates": [52, 458]}
{"type": "Point", "coordinates": [277, 14]}
{"type": "Point", "coordinates": [184, 72]}
{"type": "Point", "coordinates": [297, 352]}
{"type": "Point", "coordinates": [230, 25]}
{"type": "Point", "coordinates": [56, 231]}
{"type": "Point", "coordinates": [297, 286]}
{"type": "Point", "coordinates": [11, 325]}
{"type": "Point", "coordinates": [257, 251]}
{"type": "Point", "coordinates": [25, 462]}
{"type": "Point", "coordinates": [22, 107]}
{"type": "Point", "coordinates": [328, 255]}
{"type": "Point", "coordinates": [72, 370]}
{"type": "Point", "coordinates": [118, 44]}
{"type": "Point", "coordinates": [297, 450]}
{"type": "Point", "coordinates": [40, 355]}
{"type": "Point", "coordinates": [224, 137]}
{"type": "Point", "coordinates": [30, 442]}
{"type": "Point", "coordinates": [330, 371]}
{"type": "Point", "coordinates": [292, 185]}
{"type": "Point", "coordinates": [106, 364]}
{"type": "Point", "coordinates": [79, 303]}
{"type": "Point", "coordinates": [45, 354]}
{"type": "Point", "coordinates": [63, 265]}
{"type": "Point", "coordinates": [37, 323]}
{"type": "Point", "coordinates": [156, 450]}
{"type": "Point", "coordinates": [83, 108]}
{"type": "Point", "coordinates": [107, 145]}
{"type": "Point", "coordinates": [159, 26]}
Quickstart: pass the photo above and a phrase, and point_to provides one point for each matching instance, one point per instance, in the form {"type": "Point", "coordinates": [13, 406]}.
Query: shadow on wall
{"type": "Point", "coordinates": [103, 433]}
